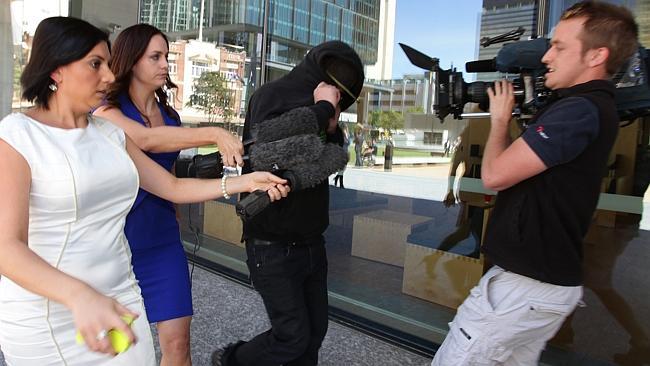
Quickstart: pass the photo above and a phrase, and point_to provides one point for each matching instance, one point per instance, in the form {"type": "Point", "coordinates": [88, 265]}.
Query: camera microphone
{"type": "Point", "coordinates": [307, 175]}
{"type": "Point", "coordinates": [271, 156]}
{"type": "Point", "coordinates": [481, 66]}
{"type": "Point", "coordinates": [285, 153]}
{"type": "Point", "coordinates": [298, 121]}
{"type": "Point", "coordinates": [523, 55]}
{"type": "Point", "coordinates": [514, 57]}
{"type": "Point", "coordinates": [300, 176]}
{"type": "Point", "coordinates": [289, 146]}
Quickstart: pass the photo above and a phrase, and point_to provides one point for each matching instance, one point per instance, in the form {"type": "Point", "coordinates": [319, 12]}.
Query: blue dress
{"type": "Point", "coordinates": [158, 258]}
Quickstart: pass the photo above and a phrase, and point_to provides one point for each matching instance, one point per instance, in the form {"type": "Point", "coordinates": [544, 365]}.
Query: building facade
{"type": "Point", "coordinates": [499, 17]}
{"type": "Point", "coordinates": [538, 18]}
{"type": "Point", "coordinates": [409, 93]}
{"type": "Point", "coordinates": [293, 27]}
{"type": "Point", "coordinates": [383, 68]}
{"type": "Point", "coordinates": [189, 59]}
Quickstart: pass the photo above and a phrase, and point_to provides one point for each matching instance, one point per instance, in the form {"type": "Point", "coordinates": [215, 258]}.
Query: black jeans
{"type": "Point", "coordinates": [292, 280]}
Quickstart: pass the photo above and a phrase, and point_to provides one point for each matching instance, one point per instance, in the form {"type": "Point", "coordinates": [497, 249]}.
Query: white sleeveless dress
{"type": "Point", "coordinates": [83, 185]}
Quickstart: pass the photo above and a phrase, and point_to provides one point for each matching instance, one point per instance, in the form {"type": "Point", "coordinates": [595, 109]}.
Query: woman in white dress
{"type": "Point", "coordinates": [68, 181]}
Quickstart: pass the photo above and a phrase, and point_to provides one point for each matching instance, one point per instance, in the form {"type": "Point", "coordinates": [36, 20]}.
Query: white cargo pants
{"type": "Point", "coordinates": [506, 320]}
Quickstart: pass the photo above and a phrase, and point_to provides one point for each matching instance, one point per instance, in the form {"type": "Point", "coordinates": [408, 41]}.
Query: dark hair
{"type": "Point", "coordinates": [58, 41]}
{"type": "Point", "coordinates": [129, 47]}
{"type": "Point", "coordinates": [606, 25]}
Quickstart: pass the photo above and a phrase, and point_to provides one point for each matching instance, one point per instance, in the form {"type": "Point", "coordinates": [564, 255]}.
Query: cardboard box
{"type": "Point", "coordinates": [441, 276]}
{"type": "Point", "coordinates": [438, 276]}
{"type": "Point", "coordinates": [381, 235]}
{"type": "Point", "coordinates": [221, 222]}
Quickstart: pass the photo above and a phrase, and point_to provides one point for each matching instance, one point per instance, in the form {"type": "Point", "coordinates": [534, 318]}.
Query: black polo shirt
{"type": "Point", "coordinates": [537, 226]}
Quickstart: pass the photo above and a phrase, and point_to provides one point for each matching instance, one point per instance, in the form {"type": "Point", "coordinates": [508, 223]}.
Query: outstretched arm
{"type": "Point", "coordinates": [169, 138]}
{"type": "Point", "coordinates": [160, 182]}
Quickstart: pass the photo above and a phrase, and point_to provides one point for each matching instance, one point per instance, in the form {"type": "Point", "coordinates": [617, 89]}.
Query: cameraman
{"type": "Point", "coordinates": [549, 182]}
{"type": "Point", "coordinates": [284, 243]}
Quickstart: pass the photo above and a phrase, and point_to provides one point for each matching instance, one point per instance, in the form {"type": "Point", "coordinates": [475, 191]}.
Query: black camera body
{"type": "Point", "coordinates": [210, 166]}
{"type": "Point", "coordinates": [199, 166]}
{"type": "Point", "coordinates": [450, 92]}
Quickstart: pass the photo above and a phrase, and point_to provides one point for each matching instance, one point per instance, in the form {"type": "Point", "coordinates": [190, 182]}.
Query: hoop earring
{"type": "Point", "coordinates": [53, 87]}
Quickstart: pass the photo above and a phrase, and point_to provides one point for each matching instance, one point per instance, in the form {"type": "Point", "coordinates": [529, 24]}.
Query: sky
{"type": "Point", "coordinates": [438, 28]}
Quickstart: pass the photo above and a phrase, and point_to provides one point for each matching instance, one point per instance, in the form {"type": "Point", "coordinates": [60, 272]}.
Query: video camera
{"type": "Point", "coordinates": [450, 92]}
{"type": "Point", "coordinates": [199, 166]}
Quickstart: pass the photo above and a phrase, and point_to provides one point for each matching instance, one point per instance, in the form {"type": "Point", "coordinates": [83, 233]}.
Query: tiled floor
{"type": "Point", "coordinates": [226, 311]}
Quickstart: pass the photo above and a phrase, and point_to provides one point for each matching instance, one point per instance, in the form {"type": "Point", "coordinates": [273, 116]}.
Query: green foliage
{"type": "Point", "coordinates": [374, 117]}
{"type": "Point", "coordinates": [17, 72]}
{"type": "Point", "coordinates": [388, 120]}
{"type": "Point", "coordinates": [212, 96]}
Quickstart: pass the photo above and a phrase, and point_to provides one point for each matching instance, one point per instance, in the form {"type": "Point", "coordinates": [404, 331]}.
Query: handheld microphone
{"type": "Point", "coordinates": [300, 176]}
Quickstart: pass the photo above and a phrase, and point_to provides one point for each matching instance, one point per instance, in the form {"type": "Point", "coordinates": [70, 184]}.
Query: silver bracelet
{"type": "Point", "coordinates": [223, 187]}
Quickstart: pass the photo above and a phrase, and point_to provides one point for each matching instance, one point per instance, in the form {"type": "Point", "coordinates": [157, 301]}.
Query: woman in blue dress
{"type": "Point", "coordinates": [138, 103]}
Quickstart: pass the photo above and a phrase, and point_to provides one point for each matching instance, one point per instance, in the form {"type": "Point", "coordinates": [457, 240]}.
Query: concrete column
{"type": "Point", "coordinates": [6, 58]}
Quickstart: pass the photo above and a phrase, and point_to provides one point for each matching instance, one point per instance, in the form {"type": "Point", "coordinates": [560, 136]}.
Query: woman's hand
{"type": "Point", "coordinates": [275, 186]}
{"type": "Point", "coordinates": [278, 192]}
{"type": "Point", "coordinates": [96, 314]}
{"type": "Point", "coordinates": [230, 148]}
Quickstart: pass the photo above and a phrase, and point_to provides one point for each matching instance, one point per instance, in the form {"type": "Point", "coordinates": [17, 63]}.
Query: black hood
{"type": "Point", "coordinates": [296, 88]}
{"type": "Point", "coordinates": [341, 61]}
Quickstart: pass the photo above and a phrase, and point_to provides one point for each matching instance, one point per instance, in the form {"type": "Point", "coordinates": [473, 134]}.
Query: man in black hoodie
{"type": "Point", "coordinates": [549, 182]}
{"type": "Point", "coordinates": [284, 243]}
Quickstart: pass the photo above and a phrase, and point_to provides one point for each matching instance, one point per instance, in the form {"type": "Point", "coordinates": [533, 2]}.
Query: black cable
{"type": "Point", "coordinates": [197, 242]}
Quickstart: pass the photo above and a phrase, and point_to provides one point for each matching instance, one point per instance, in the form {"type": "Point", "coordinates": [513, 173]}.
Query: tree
{"type": "Point", "coordinates": [212, 96]}
{"type": "Point", "coordinates": [374, 118]}
{"type": "Point", "coordinates": [17, 72]}
{"type": "Point", "coordinates": [388, 120]}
